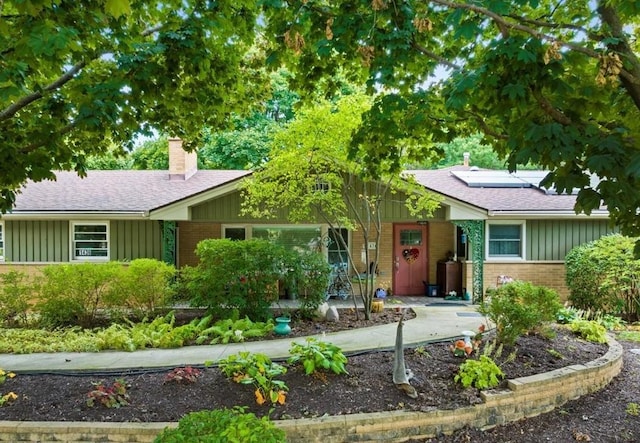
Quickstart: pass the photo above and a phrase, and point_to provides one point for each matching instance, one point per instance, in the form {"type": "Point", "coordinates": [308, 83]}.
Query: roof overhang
{"type": "Point", "coordinates": [497, 214]}
{"type": "Point", "coordinates": [79, 215]}
{"type": "Point", "coordinates": [181, 210]}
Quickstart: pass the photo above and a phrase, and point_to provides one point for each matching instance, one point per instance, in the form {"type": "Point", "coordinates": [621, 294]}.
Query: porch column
{"type": "Point", "coordinates": [474, 230]}
{"type": "Point", "coordinates": [168, 241]}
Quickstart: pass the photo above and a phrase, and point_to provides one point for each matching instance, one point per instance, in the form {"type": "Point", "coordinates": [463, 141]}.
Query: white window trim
{"type": "Point", "coordinates": [523, 242]}
{"type": "Point", "coordinates": [72, 256]}
{"type": "Point", "coordinates": [3, 241]}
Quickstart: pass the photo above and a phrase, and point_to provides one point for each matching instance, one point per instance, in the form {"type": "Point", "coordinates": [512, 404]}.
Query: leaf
{"type": "Point", "coordinates": [117, 8]}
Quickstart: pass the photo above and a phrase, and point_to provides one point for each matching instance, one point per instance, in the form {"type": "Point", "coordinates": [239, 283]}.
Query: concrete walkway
{"type": "Point", "coordinates": [436, 320]}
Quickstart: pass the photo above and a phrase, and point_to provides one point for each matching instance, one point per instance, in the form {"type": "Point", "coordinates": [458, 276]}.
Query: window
{"type": "Point", "coordinates": [335, 248]}
{"type": "Point", "coordinates": [301, 238]}
{"type": "Point", "coordinates": [1, 242]}
{"type": "Point", "coordinates": [90, 241]}
{"type": "Point", "coordinates": [505, 240]}
{"type": "Point", "coordinates": [235, 233]}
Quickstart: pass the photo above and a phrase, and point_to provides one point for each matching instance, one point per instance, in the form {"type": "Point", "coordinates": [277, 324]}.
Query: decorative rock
{"type": "Point", "coordinates": [332, 314]}
{"type": "Point", "coordinates": [321, 311]}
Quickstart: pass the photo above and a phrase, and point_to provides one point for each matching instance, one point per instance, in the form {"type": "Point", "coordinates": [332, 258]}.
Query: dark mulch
{"type": "Point", "coordinates": [367, 388]}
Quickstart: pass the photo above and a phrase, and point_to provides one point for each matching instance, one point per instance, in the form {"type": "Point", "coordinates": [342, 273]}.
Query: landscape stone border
{"type": "Point", "coordinates": [524, 397]}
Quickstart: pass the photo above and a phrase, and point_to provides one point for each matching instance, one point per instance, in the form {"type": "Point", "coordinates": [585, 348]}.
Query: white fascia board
{"type": "Point", "coordinates": [566, 214]}
{"type": "Point", "coordinates": [77, 215]}
{"type": "Point", "coordinates": [181, 210]}
{"type": "Point", "coordinates": [457, 210]}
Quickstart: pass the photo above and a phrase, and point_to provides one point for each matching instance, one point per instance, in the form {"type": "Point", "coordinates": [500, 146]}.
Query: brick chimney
{"type": "Point", "coordinates": [182, 164]}
{"type": "Point", "coordinates": [465, 158]}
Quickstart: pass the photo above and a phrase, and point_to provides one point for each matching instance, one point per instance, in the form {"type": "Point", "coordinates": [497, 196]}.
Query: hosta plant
{"type": "Point", "coordinates": [259, 371]}
{"type": "Point", "coordinates": [317, 355]}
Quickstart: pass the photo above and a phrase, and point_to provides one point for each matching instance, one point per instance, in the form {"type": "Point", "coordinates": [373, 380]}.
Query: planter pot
{"type": "Point", "coordinates": [282, 326]}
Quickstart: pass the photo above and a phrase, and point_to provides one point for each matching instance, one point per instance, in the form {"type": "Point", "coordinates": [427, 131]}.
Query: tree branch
{"type": "Point", "coordinates": [434, 56]}
{"type": "Point", "coordinates": [32, 147]}
{"type": "Point", "coordinates": [11, 110]}
{"type": "Point", "coordinates": [547, 107]}
{"type": "Point", "coordinates": [630, 79]}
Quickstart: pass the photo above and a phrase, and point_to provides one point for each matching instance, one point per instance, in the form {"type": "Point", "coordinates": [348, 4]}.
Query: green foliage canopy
{"type": "Point", "coordinates": [551, 83]}
{"type": "Point", "coordinates": [77, 77]}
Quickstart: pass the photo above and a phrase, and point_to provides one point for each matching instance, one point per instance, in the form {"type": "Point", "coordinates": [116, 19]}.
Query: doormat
{"type": "Point", "coordinates": [468, 314]}
{"type": "Point", "coordinates": [445, 304]}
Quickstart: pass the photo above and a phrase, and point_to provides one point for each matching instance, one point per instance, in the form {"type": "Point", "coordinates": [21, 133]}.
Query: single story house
{"type": "Point", "coordinates": [490, 224]}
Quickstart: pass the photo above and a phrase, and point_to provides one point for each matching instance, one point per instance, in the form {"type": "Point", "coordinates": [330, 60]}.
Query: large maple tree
{"type": "Point", "coordinates": [77, 77]}
{"type": "Point", "coordinates": [548, 82]}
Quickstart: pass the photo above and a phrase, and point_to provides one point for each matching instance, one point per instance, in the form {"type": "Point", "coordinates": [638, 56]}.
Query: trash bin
{"type": "Point", "coordinates": [431, 290]}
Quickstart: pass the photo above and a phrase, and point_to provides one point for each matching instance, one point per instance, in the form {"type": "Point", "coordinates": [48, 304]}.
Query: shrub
{"type": "Point", "coordinates": [237, 276]}
{"type": "Point", "coordinates": [223, 426]}
{"type": "Point", "coordinates": [143, 287]}
{"type": "Point", "coordinates": [16, 291]}
{"type": "Point", "coordinates": [518, 307]}
{"type": "Point", "coordinates": [72, 294]}
{"type": "Point", "coordinates": [604, 276]}
{"type": "Point", "coordinates": [307, 275]}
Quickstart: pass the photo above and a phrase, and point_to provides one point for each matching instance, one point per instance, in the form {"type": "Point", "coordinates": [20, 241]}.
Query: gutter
{"type": "Point", "coordinates": [78, 215]}
{"type": "Point", "coordinates": [546, 214]}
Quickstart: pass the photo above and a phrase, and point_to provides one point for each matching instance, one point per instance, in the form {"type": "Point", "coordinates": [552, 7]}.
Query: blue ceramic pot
{"type": "Point", "coordinates": [282, 326]}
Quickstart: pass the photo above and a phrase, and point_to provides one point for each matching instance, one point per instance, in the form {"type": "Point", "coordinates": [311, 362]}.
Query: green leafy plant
{"type": "Point", "coordinates": [259, 371]}
{"type": "Point", "coordinates": [610, 322]}
{"type": "Point", "coordinates": [555, 354]}
{"type": "Point", "coordinates": [5, 398]}
{"type": "Point", "coordinates": [589, 330]}
{"type": "Point", "coordinates": [633, 409]}
{"type": "Point", "coordinates": [629, 335]}
{"type": "Point", "coordinates": [187, 374]}
{"type": "Point", "coordinates": [518, 307]}
{"type": "Point", "coordinates": [234, 331]}
{"type": "Point", "coordinates": [482, 374]}
{"type": "Point", "coordinates": [110, 396]}
{"type": "Point", "coordinates": [142, 288]}
{"type": "Point", "coordinates": [223, 426]}
{"type": "Point", "coordinates": [16, 292]}
{"type": "Point", "coordinates": [73, 294]}
{"type": "Point", "coordinates": [602, 276]}
{"type": "Point", "coordinates": [567, 314]}
{"type": "Point", "coordinates": [318, 355]}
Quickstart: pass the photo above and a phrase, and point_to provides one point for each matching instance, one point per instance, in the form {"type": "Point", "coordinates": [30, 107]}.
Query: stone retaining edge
{"type": "Point", "coordinates": [525, 397]}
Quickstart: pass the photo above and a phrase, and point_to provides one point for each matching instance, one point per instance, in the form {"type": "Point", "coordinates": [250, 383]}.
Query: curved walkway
{"type": "Point", "coordinates": [435, 321]}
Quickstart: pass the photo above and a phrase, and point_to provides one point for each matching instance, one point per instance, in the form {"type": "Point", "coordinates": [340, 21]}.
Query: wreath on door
{"type": "Point", "coordinates": [410, 255]}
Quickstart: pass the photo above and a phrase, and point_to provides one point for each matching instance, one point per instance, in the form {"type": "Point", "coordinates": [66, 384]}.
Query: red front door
{"type": "Point", "coordinates": [410, 263]}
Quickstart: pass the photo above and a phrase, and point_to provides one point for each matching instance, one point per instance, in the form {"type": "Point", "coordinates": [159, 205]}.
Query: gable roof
{"type": "Point", "coordinates": [117, 191]}
{"type": "Point", "coordinates": [496, 199]}
{"type": "Point", "coordinates": [137, 193]}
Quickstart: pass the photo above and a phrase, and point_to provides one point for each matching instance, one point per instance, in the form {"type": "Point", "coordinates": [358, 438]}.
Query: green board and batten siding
{"type": "Point", "coordinates": [48, 240]}
{"type": "Point", "coordinates": [551, 240]}
{"type": "Point", "coordinates": [227, 210]}
{"type": "Point", "coordinates": [135, 239]}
